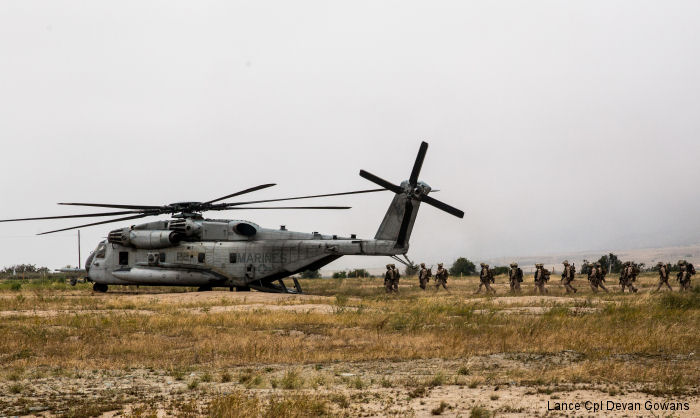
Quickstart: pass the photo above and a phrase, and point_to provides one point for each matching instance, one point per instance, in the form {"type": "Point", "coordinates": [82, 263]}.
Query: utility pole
{"type": "Point", "coordinates": [78, 249]}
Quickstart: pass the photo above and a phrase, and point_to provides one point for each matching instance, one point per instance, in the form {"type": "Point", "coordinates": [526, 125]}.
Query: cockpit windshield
{"type": "Point", "coordinates": [101, 249]}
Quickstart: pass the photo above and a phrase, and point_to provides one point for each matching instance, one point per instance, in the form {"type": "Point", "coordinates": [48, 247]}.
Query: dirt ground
{"type": "Point", "coordinates": [363, 389]}
{"type": "Point", "coordinates": [421, 387]}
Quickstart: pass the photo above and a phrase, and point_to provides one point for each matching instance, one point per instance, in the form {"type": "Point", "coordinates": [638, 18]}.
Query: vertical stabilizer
{"type": "Point", "coordinates": [398, 220]}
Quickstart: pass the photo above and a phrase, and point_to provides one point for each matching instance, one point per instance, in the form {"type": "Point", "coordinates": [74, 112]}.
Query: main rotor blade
{"type": "Point", "coordinates": [96, 223]}
{"type": "Point", "coordinates": [84, 215]}
{"type": "Point", "coordinates": [380, 181]}
{"type": "Point", "coordinates": [252, 189]}
{"type": "Point", "coordinates": [288, 207]}
{"type": "Point", "coordinates": [229, 205]}
{"type": "Point", "coordinates": [109, 205]}
{"type": "Point", "coordinates": [442, 206]}
{"type": "Point", "coordinates": [418, 164]}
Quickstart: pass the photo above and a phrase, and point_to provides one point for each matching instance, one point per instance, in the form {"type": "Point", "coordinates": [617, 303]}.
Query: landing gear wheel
{"type": "Point", "coordinates": [204, 289]}
{"type": "Point", "coordinates": [99, 287]}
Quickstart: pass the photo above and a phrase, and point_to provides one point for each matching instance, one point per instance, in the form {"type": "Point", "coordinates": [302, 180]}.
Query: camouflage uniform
{"type": "Point", "coordinates": [684, 276]}
{"type": "Point", "coordinates": [388, 278]}
{"type": "Point", "coordinates": [485, 278]}
{"type": "Point", "coordinates": [441, 277]}
{"type": "Point", "coordinates": [515, 277]}
{"type": "Point", "coordinates": [541, 277]}
{"type": "Point", "coordinates": [663, 276]}
{"type": "Point", "coordinates": [424, 276]}
{"type": "Point", "coordinates": [597, 276]}
{"type": "Point", "coordinates": [627, 276]}
{"type": "Point", "coordinates": [568, 276]}
{"type": "Point", "coordinates": [395, 279]}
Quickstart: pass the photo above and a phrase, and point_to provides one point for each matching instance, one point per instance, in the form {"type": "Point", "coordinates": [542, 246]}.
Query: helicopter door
{"type": "Point", "coordinates": [250, 271]}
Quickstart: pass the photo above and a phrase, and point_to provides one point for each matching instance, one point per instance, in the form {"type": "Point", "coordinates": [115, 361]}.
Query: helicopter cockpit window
{"type": "Point", "coordinates": [100, 251]}
{"type": "Point", "coordinates": [123, 258]}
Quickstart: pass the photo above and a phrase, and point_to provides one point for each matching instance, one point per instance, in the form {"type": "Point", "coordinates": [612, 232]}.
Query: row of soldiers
{"type": "Point", "coordinates": [596, 276]}
{"type": "Point", "coordinates": [391, 277]}
{"type": "Point", "coordinates": [595, 271]}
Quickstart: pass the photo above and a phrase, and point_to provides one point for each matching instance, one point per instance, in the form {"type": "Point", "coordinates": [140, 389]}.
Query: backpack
{"type": "Point", "coordinates": [690, 268]}
{"type": "Point", "coordinates": [519, 274]}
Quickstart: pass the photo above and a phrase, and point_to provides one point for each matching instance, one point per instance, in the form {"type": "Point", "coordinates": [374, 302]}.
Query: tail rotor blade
{"type": "Point", "coordinates": [380, 181]}
{"type": "Point", "coordinates": [418, 164]}
{"type": "Point", "coordinates": [405, 222]}
{"type": "Point", "coordinates": [442, 206]}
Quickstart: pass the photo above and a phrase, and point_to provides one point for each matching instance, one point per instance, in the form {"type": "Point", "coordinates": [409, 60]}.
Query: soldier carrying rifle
{"type": "Point", "coordinates": [515, 277]}
{"type": "Point", "coordinates": [567, 276]}
{"type": "Point", "coordinates": [684, 276]}
{"type": "Point", "coordinates": [628, 275]}
{"type": "Point", "coordinates": [486, 278]}
{"type": "Point", "coordinates": [424, 275]}
{"type": "Point", "coordinates": [663, 276]}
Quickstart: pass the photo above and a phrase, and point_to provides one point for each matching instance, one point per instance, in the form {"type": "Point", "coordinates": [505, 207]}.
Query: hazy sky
{"type": "Point", "coordinates": [556, 126]}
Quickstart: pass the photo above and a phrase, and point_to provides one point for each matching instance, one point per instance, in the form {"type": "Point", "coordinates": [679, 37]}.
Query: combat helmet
{"type": "Point", "coordinates": [566, 262]}
{"type": "Point", "coordinates": [439, 264]}
{"type": "Point", "coordinates": [514, 264]}
{"type": "Point", "coordinates": [422, 265]}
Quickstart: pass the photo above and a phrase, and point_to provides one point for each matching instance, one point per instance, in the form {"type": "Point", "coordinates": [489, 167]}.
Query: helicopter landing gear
{"type": "Point", "coordinates": [99, 287]}
{"type": "Point", "coordinates": [204, 289]}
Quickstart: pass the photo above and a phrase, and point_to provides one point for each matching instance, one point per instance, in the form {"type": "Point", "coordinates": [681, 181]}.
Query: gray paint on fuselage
{"type": "Point", "coordinates": [269, 253]}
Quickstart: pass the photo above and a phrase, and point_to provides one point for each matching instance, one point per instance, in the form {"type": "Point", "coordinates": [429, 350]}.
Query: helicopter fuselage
{"type": "Point", "coordinates": [219, 253]}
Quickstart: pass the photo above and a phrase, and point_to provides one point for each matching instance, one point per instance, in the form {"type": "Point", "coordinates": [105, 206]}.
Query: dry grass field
{"type": "Point", "coordinates": [347, 349]}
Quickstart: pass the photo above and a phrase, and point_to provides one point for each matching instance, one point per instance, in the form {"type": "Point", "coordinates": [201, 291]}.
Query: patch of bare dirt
{"type": "Point", "coordinates": [379, 388]}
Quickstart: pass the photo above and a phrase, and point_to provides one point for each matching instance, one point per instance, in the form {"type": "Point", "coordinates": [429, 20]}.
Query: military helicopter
{"type": "Point", "coordinates": [190, 250]}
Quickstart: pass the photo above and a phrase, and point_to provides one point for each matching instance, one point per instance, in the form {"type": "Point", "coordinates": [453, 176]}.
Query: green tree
{"type": "Point", "coordinates": [358, 273]}
{"type": "Point", "coordinates": [462, 266]}
{"type": "Point", "coordinates": [311, 274]}
{"type": "Point", "coordinates": [500, 270]}
{"type": "Point", "coordinates": [340, 275]}
{"type": "Point", "coordinates": [611, 263]}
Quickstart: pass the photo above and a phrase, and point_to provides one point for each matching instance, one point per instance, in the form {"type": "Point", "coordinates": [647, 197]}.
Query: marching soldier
{"type": "Point", "coordinates": [541, 277]}
{"type": "Point", "coordinates": [389, 279]}
{"type": "Point", "coordinates": [687, 271]}
{"type": "Point", "coordinates": [441, 277]}
{"type": "Point", "coordinates": [568, 276]}
{"type": "Point", "coordinates": [597, 276]}
{"type": "Point", "coordinates": [485, 278]}
{"type": "Point", "coordinates": [515, 277]}
{"type": "Point", "coordinates": [395, 279]}
{"type": "Point", "coordinates": [663, 276]}
{"type": "Point", "coordinates": [627, 276]}
{"type": "Point", "coordinates": [423, 276]}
